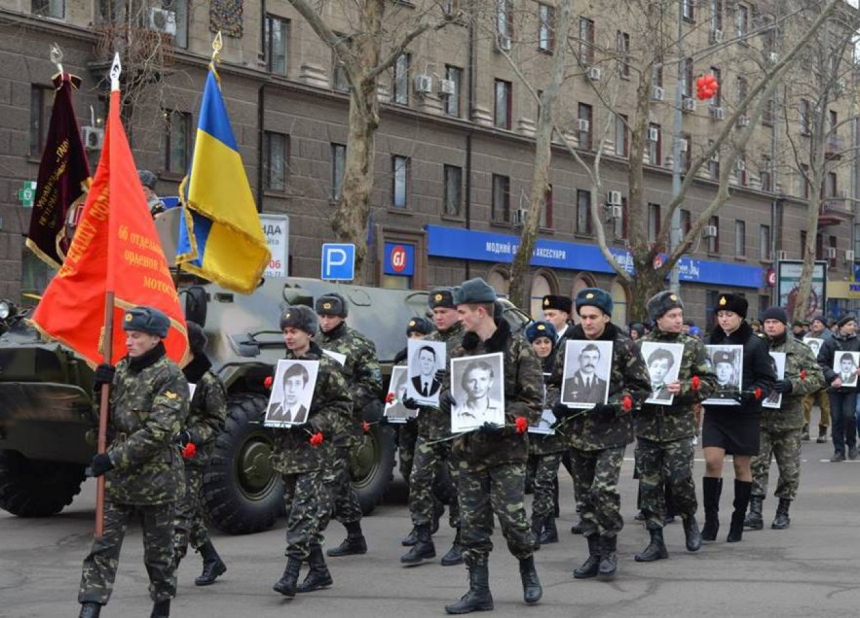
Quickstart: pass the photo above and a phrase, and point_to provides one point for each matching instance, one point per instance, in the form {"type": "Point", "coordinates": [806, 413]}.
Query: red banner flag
{"type": "Point", "coordinates": [64, 174]}
{"type": "Point", "coordinates": [115, 249]}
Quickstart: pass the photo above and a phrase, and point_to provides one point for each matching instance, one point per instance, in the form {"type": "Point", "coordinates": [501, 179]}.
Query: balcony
{"type": "Point", "coordinates": [835, 211]}
{"type": "Point", "coordinates": [834, 148]}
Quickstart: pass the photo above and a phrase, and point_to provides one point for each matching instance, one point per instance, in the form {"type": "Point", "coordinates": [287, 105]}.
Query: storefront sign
{"type": "Point", "coordinates": [399, 259]}
{"type": "Point", "coordinates": [277, 231]}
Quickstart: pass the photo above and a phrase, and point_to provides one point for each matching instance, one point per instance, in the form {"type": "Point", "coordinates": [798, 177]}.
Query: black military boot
{"type": "Point", "coordinates": [537, 527]}
{"type": "Point", "coordinates": [161, 609]}
{"type": "Point", "coordinates": [608, 558]}
{"type": "Point", "coordinates": [532, 591]}
{"type": "Point", "coordinates": [90, 609]}
{"type": "Point", "coordinates": [711, 490]}
{"type": "Point", "coordinates": [353, 544]}
{"type": "Point", "coordinates": [318, 577]}
{"type": "Point", "coordinates": [741, 502]}
{"type": "Point", "coordinates": [455, 554]}
{"type": "Point", "coordinates": [422, 550]}
{"type": "Point", "coordinates": [478, 598]}
{"type": "Point", "coordinates": [782, 521]}
{"type": "Point", "coordinates": [287, 584]}
{"type": "Point", "coordinates": [410, 539]}
{"type": "Point", "coordinates": [577, 527]}
{"type": "Point", "coordinates": [754, 520]}
{"type": "Point", "coordinates": [592, 563]}
{"type": "Point", "coordinates": [656, 549]}
{"type": "Point", "coordinates": [438, 511]}
{"type": "Point", "coordinates": [213, 566]}
{"type": "Point", "coordinates": [691, 533]}
{"type": "Point", "coordinates": [550, 532]}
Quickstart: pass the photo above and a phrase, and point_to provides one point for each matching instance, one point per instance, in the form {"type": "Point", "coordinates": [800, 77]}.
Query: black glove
{"type": "Point", "coordinates": [184, 438]}
{"type": "Point", "coordinates": [441, 376]}
{"type": "Point", "coordinates": [490, 429]}
{"type": "Point", "coordinates": [409, 403]}
{"type": "Point", "coordinates": [104, 375]}
{"type": "Point", "coordinates": [603, 412]}
{"type": "Point", "coordinates": [561, 411]}
{"type": "Point", "coordinates": [783, 386]}
{"type": "Point", "coordinates": [447, 401]}
{"type": "Point", "coordinates": [100, 464]}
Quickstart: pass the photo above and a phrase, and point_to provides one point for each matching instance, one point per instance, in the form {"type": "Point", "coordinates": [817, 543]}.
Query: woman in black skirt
{"type": "Point", "coordinates": [734, 429]}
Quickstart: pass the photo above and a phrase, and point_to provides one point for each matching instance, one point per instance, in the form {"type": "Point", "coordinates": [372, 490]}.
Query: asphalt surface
{"type": "Point", "coordinates": [811, 569]}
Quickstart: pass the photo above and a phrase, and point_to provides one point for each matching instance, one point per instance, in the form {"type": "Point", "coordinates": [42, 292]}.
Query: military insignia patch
{"type": "Point", "coordinates": [411, 322]}
{"type": "Point", "coordinates": [589, 295]}
{"type": "Point", "coordinates": [438, 298]}
{"type": "Point", "coordinates": [546, 302]}
{"type": "Point", "coordinates": [541, 327]}
{"type": "Point", "coordinates": [128, 317]}
{"type": "Point", "coordinates": [326, 305]}
{"type": "Point", "coordinates": [673, 298]}
{"type": "Point", "coordinates": [171, 395]}
{"type": "Point", "coordinates": [723, 300]}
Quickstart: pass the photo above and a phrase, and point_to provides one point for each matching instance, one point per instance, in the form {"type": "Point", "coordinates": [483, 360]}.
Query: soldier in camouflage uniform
{"type": "Point", "coordinates": [433, 452]}
{"type": "Point", "coordinates": [664, 433]}
{"type": "Point", "coordinates": [599, 436]}
{"type": "Point", "coordinates": [364, 379]}
{"type": "Point", "coordinates": [781, 428]}
{"type": "Point", "coordinates": [302, 452]}
{"type": "Point", "coordinates": [144, 475]}
{"type": "Point", "coordinates": [206, 416]}
{"type": "Point", "coordinates": [492, 459]}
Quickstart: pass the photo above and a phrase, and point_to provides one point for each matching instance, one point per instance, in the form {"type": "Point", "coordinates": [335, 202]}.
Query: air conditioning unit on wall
{"type": "Point", "coordinates": [709, 231]}
{"type": "Point", "coordinates": [162, 20]}
{"type": "Point", "coordinates": [93, 137]}
{"type": "Point", "coordinates": [423, 84]}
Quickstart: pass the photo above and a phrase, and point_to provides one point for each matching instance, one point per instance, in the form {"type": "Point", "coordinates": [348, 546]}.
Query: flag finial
{"type": "Point", "coordinates": [57, 57]}
{"type": "Point", "coordinates": [217, 44]}
{"type": "Point", "coordinates": [115, 70]}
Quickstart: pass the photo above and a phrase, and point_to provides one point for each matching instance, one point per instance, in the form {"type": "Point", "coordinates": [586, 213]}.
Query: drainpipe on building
{"type": "Point", "coordinates": [261, 117]}
{"type": "Point", "coordinates": [677, 130]}
{"type": "Point", "coordinates": [471, 118]}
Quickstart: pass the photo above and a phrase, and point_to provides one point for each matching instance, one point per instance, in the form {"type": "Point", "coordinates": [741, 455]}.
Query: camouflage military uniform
{"type": "Point", "coordinates": [492, 467]}
{"type": "Point", "coordinates": [598, 444]}
{"type": "Point", "coordinates": [781, 428]}
{"type": "Point", "coordinates": [664, 448]}
{"type": "Point", "coordinates": [148, 406]}
{"type": "Point", "coordinates": [364, 380]}
{"type": "Point", "coordinates": [302, 465]}
{"type": "Point", "coordinates": [206, 416]}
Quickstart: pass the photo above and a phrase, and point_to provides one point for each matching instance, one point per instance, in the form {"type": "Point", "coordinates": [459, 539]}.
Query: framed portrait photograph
{"type": "Point", "coordinates": [292, 393]}
{"type": "Point", "coordinates": [774, 399]}
{"type": "Point", "coordinates": [395, 412]}
{"type": "Point", "coordinates": [814, 344]}
{"type": "Point", "coordinates": [423, 360]}
{"type": "Point", "coordinates": [664, 365]}
{"type": "Point", "coordinates": [585, 379]}
{"type": "Point", "coordinates": [728, 364]}
{"type": "Point", "coordinates": [478, 387]}
{"type": "Point", "coordinates": [339, 358]}
{"type": "Point", "coordinates": [845, 365]}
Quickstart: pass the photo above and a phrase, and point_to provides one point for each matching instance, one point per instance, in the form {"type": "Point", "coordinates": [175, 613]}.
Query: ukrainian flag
{"type": "Point", "coordinates": [227, 245]}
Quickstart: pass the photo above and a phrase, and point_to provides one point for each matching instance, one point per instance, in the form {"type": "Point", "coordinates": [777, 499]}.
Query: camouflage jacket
{"type": "Point", "coordinates": [806, 378]}
{"type": "Point", "coordinates": [293, 453]}
{"type": "Point", "coordinates": [629, 376]}
{"type": "Point", "coordinates": [543, 444]}
{"type": "Point", "coordinates": [827, 353]}
{"type": "Point", "coordinates": [668, 423]}
{"type": "Point", "coordinates": [523, 397]}
{"type": "Point", "coordinates": [433, 424]}
{"type": "Point", "coordinates": [148, 406]}
{"type": "Point", "coordinates": [362, 373]}
{"type": "Point", "coordinates": [207, 412]}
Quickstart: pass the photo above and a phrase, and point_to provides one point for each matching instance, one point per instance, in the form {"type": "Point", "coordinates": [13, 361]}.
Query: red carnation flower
{"type": "Point", "coordinates": [696, 383]}
{"type": "Point", "coordinates": [268, 382]}
{"type": "Point", "coordinates": [757, 392]}
{"type": "Point", "coordinates": [390, 398]}
{"type": "Point", "coordinates": [522, 424]}
{"type": "Point", "coordinates": [189, 451]}
{"type": "Point", "coordinates": [627, 403]}
{"type": "Point", "coordinates": [803, 374]}
{"type": "Point", "coordinates": [365, 426]}
{"type": "Point", "coordinates": [316, 439]}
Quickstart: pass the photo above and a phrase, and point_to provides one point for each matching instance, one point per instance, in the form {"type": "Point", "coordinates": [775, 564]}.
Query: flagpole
{"type": "Point", "coordinates": [107, 342]}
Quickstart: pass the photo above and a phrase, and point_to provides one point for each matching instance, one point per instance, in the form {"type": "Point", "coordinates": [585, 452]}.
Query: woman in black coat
{"type": "Point", "coordinates": [734, 429]}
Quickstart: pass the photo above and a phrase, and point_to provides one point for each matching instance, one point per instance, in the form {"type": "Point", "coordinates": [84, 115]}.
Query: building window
{"type": "Point", "coordinates": [740, 238]}
{"type": "Point", "coordinates": [504, 98]}
{"type": "Point", "coordinates": [687, 77]}
{"type": "Point", "coordinates": [805, 117]}
{"type": "Point", "coordinates": [832, 129]}
{"type": "Point", "coordinates": [49, 8]}
{"type": "Point", "coordinates": [179, 8]}
{"type": "Point", "coordinates": [714, 162]}
{"type": "Point", "coordinates": [620, 223]}
{"type": "Point", "coordinates": [653, 222]}
{"type": "Point", "coordinates": [657, 75]}
{"type": "Point", "coordinates": [276, 43]}
{"type": "Point", "coordinates": [766, 179]}
{"type": "Point", "coordinates": [717, 100]}
{"type": "Point", "coordinates": [546, 28]}
{"type": "Point", "coordinates": [338, 165]}
{"type": "Point", "coordinates": [768, 115]}
{"type": "Point", "coordinates": [687, 143]}
{"type": "Point", "coordinates": [764, 242]}
{"type": "Point", "coordinates": [41, 101]}
{"type": "Point", "coordinates": [804, 181]}
{"type": "Point", "coordinates": [400, 187]}
{"type": "Point", "coordinates": [401, 79]}
{"type": "Point", "coordinates": [339, 80]}
{"type": "Point", "coordinates": [583, 212]}
{"type": "Point", "coordinates": [276, 150]}
{"type": "Point", "coordinates": [714, 241]}
{"type": "Point", "coordinates": [505, 18]}
{"type": "Point", "coordinates": [717, 14]}
{"type": "Point", "coordinates": [586, 41]}
{"type": "Point", "coordinates": [831, 185]}
{"type": "Point", "coordinates": [688, 10]}
{"type": "Point", "coordinates": [501, 208]}
{"type": "Point", "coordinates": [834, 249]}
{"type": "Point", "coordinates": [176, 141]}
{"type": "Point", "coordinates": [586, 121]}
{"type": "Point", "coordinates": [622, 136]}
{"type": "Point", "coordinates": [453, 178]}
{"type": "Point", "coordinates": [686, 221]}
{"type": "Point", "coordinates": [741, 170]}
{"type": "Point", "coordinates": [655, 145]}
{"type": "Point", "coordinates": [452, 101]}
{"type": "Point", "coordinates": [742, 20]}
{"type": "Point", "coordinates": [741, 85]}
{"type": "Point", "coordinates": [546, 209]}
{"type": "Point", "coordinates": [622, 47]}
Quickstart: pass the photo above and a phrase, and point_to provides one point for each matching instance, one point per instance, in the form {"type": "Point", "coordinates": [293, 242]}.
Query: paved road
{"type": "Point", "coordinates": [809, 570]}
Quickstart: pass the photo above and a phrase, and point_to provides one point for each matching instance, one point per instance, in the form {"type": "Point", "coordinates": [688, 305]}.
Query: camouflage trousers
{"type": "Point", "coordinates": [823, 402]}
{"type": "Point", "coordinates": [308, 504]}
{"type": "Point", "coordinates": [406, 440]}
{"type": "Point", "coordinates": [434, 472]}
{"type": "Point", "coordinates": [595, 475]}
{"type": "Point", "coordinates": [546, 485]}
{"type": "Point", "coordinates": [101, 563]}
{"type": "Point", "coordinates": [338, 481]}
{"type": "Point", "coordinates": [498, 489]}
{"type": "Point", "coordinates": [784, 446]}
{"type": "Point", "coordinates": [665, 465]}
{"type": "Point", "coordinates": [189, 521]}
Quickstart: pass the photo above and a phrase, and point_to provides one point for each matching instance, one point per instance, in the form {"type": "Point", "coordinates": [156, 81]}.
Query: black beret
{"type": "Point", "coordinates": [845, 319]}
{"type": "Point", "coordinates": [419, 325]}
{"type": "Point", "coordinates": [554, 301]}
{"type": "Point", "coordinates": [594, 297]}
{"type": "Point", "coordinates": [332, 304]}
{"type": "Point", "coordinates": [663, 302]}
{"type": "Point", "coordinates": [197, 339]}
{"type": "Point", "coordinates": [301, 317]}
{"type": "Point", "coordinates": [474, 291]}
{"type": "Point", "coordinates": [146, 320]}
{"type": "Point", "coordinates": [734, 303]}
{"type": "Point", "coordinates": [441, 297]}
{"type": "Point", "coordinates": [775, 313]}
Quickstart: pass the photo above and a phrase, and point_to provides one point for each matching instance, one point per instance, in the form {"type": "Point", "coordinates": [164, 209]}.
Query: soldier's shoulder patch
{"type": "Point", "coordinates": [171, 395]}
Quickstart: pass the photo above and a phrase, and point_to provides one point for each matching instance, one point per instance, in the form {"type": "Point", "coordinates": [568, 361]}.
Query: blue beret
{"type": "Point", "coordinates": [596, 298]}
{"type": "Point", "coordinates": [332, 304]}
{"type": "Point", "coordinates": [540, 328]}
{"type": "Point", "coordinates": [146, 320]}
{"type": "Point", "coordinates": [474, 291]}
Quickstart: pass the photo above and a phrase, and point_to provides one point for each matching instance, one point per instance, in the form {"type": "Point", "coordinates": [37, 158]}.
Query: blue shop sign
{"type": "Point", "coordinates": [399, 259]}
{"type": "Point", "coordinates": [490, 247]}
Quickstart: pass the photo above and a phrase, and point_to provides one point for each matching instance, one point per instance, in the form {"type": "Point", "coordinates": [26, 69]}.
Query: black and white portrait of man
{"type": "Point", "coordinates": [586, 373]}
{"type": "Point", "coordinates": [727, 361]}
{"type": "Point", "coordinates": [664, 364]}
{"type": "Point", "coordinates": [478, 387]}
{"type": "Point", "coordinates": [845, 365]}
{"type": "Point", "coordinates": [774, 399]}
{"type": "Point", "coordinates": [395, 411]}
{"type": "Point", "coordinates": [292, 393]}
{"type": "Point", "coordinates": [424, 359]}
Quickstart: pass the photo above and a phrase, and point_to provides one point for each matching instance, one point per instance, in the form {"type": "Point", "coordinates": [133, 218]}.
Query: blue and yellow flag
{"type": "Point", "coordinates": [227, 245]}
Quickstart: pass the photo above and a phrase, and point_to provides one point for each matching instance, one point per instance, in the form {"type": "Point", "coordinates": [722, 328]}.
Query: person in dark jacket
{"type": "Point", "coordinates": [843, 399]}
{"type": "Point", "coordinates": [734, 429]}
